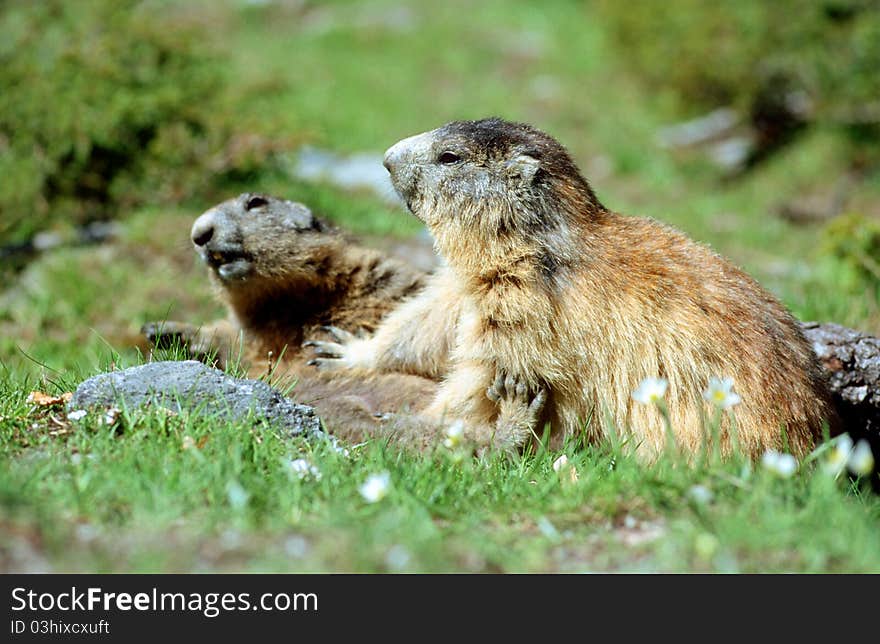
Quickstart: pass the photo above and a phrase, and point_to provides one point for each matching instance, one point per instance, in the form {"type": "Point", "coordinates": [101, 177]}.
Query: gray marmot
{"type": "Point", "coordinates": [284, 275]}
{"type": "Point", "coordinates": [544, 283]}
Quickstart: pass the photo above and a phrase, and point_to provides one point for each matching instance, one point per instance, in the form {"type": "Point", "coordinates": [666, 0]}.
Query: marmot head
{"type": "Point", "coordinates": [491, 174]}
{"type": "Point", "coordinates": [257, 238]}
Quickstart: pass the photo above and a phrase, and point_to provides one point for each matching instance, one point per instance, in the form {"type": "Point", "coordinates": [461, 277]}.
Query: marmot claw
{"type": "Point", "coordinates": [511, 389]}
{"type": "Point", "coordinates": [325, 349]}
{"type": "Point", "coordinates": [340, 335]}
{"type": "Point", "coordinates": [326, 364]}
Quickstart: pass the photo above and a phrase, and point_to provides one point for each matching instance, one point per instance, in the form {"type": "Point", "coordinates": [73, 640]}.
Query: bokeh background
{"type": "Point", "coordinates": [754, 126]}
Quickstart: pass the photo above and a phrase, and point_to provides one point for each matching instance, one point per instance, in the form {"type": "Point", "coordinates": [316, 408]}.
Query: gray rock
{"type": "Point", "coordinates": [704, 129]}
{"type": "Point", "coordinates": [358, 171]}
{"type": "Point", "coordinates": [852, 360]}
{"type": "Point", "coordinates": [193, 387]}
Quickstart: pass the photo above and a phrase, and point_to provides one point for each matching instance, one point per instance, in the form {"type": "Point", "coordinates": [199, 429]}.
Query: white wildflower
{"type": "Point", "coordinates": [560, 463]}
{"type": "Point", "coordinates": [87, 532]}
{"type": "Point", "coordinates": [720, 393]}
{"type": "Point", "coordinates": [650, 391]}
{"type": "Point", "coordinates": [296, 546]}
{"type": "Point", "coordinates": [454, 434]}
{"type": "Point", "coordinates": [237, 495]}
{"type": "Point", "coordinates": [700, 494]}
{"type": "Point", "coordinates": [562, 467]}
{"type": "Point", "coordinates": [79, 414]}
{"type": "Point", "coordinates": [303, 469]}
{"type": "Point", "coordinates": [110, 416]}
{"type": "Point", "coordinates": [376, 487]}
{"type": "Point", "coordinates": [567, 471]}
{"type": "Point", "coordinates": [546, 527]}
{"type": "Point", "coordinates": [781, 464]}
{"type": "Point", "coordinates": [339, 449]}
{"type": "Point", "coordinates": [861, 459]}
{"type": "Point", "coordinates": [397, 558]}
{"type": "Point", "coordinates": [838, 455]}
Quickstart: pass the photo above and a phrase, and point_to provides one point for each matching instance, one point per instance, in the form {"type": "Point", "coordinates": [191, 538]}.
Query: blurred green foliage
{"type": "Point", "coordinates": [854, 241]}
{"type": "Point", "coordinates": [107, 104]}
{"type": "Point", "coordinates": [715, 53]}
{"type": "Point", "coordinates": [192, 101]}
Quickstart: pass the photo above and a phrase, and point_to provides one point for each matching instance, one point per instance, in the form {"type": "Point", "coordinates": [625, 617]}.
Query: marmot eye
{"type": "Point", "coordinates": [448, 158]}
{"type": "Point", "coordinates": [255, 202]}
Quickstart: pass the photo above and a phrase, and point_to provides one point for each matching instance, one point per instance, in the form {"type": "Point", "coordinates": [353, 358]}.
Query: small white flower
{"type": "Point", "coordinates": [560, 463]}
{"type": "Point", "coordinates": [110, 417]}
{"type": "Point", "coordinates": [454, 434]}
{"type": "Point", "coordinates": [397, 558]}
{"type": "Point", "coordinates": [778, 463]}
{"type": "Point", "coordinates": [302, 469]}
{"type": "Point", "coordinates": [296, 546]}
{"type": "Point", "coordinates": [339, 449]}
{"type": "Point", "coordinates": [861, 459]}
{"type": "Point", "coordinates": [376, 487]}
{"type": "Point", "coordinates": [457, 456]}
{"type": "Point", "coordinates": [87, 532]}
{"type": "Point", "coordinates": [79, 414]}
{"type": "Point", "coordinates": [237, 495]}
{"type": "Point", "coordinates": [566, 470]}
{"type": "Point", "coordinates": [547, 528]}
{"type": "Point", "coordinates": [650, 391]}
{"type": "Point", "coordinates": [188, 442]}
{"type": "Point", "coordinates": [720, 393]}
{"type": "Point", "coordinates": [700, 494]}
{"type": "Point", "coordinates": [838, 455]}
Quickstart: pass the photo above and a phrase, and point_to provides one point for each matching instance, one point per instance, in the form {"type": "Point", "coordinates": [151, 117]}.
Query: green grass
{"type": "Point", "coordinates": [159, 492]}
{"type": "Point", "coordinates": [354, 77]}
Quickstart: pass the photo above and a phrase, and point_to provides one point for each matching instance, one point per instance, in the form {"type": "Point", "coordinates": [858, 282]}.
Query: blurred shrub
{"type": "Point", "coordinates": [716, 53]}
{"type": "Point", "coordinates": [854, 241]}
{"type": "Point", "coordinates": [107, 104]}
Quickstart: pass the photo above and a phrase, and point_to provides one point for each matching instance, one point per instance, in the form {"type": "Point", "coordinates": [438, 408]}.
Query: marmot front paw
{"type": "Point", "coordinates": [516, 393]}
{"type": "Point", "coordinates": [519, 409]}
{"type": "Point", "coordinates": [334, 355]}
{"type": "Point", "coordinates": [168, 334]}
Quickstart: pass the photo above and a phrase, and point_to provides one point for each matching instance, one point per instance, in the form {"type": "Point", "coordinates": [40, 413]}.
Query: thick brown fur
{"type": "Point", "coordinates": [544, 283]}
{"type": "Point", "coordinates": [285, 275]}
{"type": "Point", "coordinates": [292, 275]}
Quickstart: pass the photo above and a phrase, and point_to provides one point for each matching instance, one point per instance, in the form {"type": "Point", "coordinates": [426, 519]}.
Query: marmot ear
{"type": "Point", "coordinates": [524, 166]}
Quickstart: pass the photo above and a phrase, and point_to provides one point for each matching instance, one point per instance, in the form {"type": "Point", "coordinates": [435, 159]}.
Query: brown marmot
{"type": "Point", "coordinates": [544, 283]}
{"type": "Point", "coordinates": [284, 275]}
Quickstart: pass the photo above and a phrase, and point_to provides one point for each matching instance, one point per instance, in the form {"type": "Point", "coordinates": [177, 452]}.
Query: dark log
{"type": "Point", "coordinates": [852, 360]}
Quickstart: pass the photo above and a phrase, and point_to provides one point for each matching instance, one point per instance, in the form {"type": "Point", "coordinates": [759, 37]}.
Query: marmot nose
{"type": "Point", "coordinates": [393, 158]}
{"type": "Point", "coordinates": [202, 230]}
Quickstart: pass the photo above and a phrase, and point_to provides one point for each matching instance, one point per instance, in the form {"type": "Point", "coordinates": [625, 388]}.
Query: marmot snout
{"type": "Point", "coordinates": [235, 237]}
